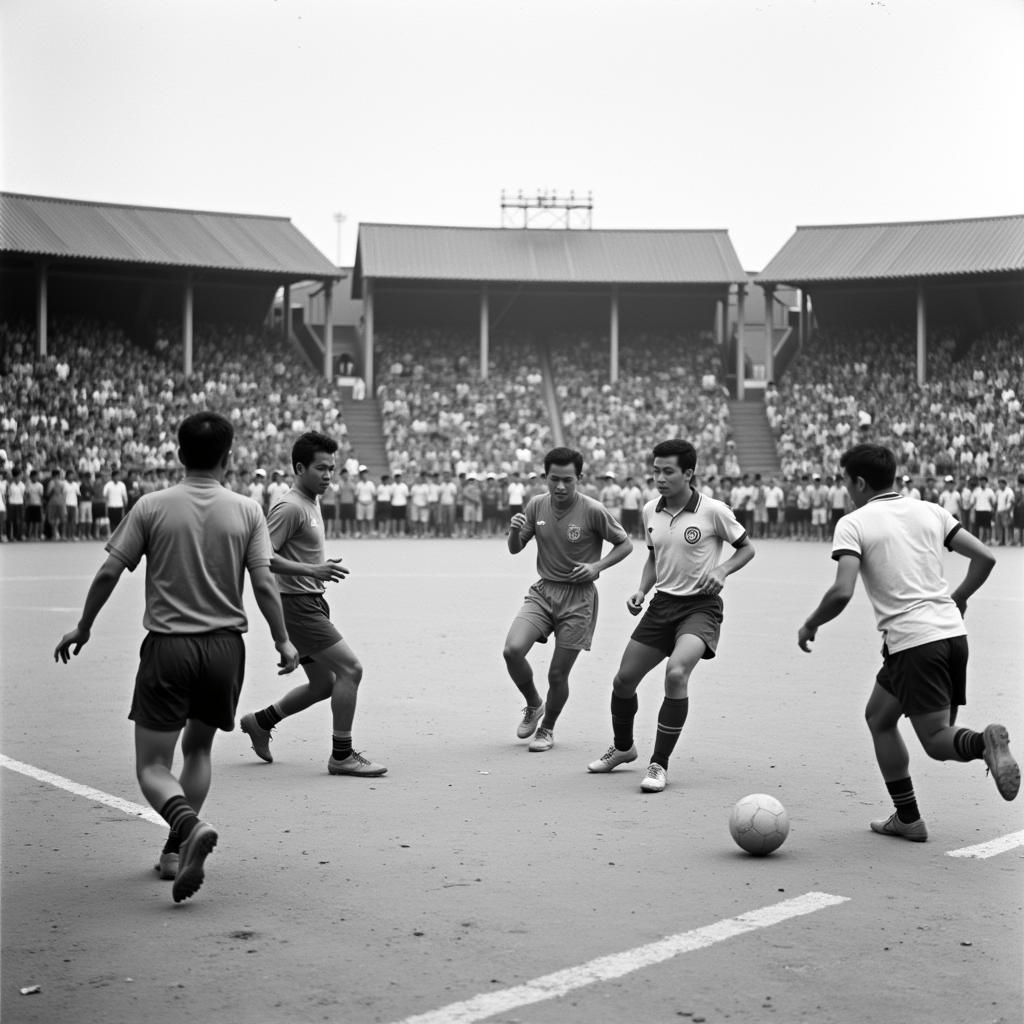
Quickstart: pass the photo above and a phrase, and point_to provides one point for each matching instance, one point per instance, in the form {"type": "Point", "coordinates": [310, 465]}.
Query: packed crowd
{"type": "Point", "coordinates": [87, 429]}
{"type": "Point", "coordinates": [668, 386]}
{"type": "Point", "coordinates": [966, 420]}
{"type": "Point", "coordinates": [439, 414]}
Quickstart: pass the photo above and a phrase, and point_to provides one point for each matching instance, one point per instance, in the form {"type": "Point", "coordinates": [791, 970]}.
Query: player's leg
{"type": "Point", "coordinates": [561, 665]}
{"type": "Point", "coordinates": [339, 664]}
{"type": "Point", "coordinates": [637, 660]}
{"type": "Point", "coordinates": [675, 706]}
{"type": "Point", "coordinates": [527, 628]}
{"type": "Point", "coordinates": [943, 741]}
{"type": "Point", "coordinates": [882, 714]}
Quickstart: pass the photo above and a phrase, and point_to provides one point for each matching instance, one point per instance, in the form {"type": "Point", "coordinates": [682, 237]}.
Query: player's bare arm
{"type": "Point", "coordinates": [515, 541]}
{"type": "Point", "coordinates": [331, 571]}
{"type": "Point", "coordinates": [268, 600]}
{"type": "Point", "coordinates": [712, 581]}
{"type": "Point", "coordinates": [587, 572]}
{"type": "Point", "coordinates": [835, 599]}
{"type": "Point", "coordinates": [982, 562]}
{"type": "Point", "coordinates": [100, 589]}
{"type": "Point", "coordinates": [635, 601]}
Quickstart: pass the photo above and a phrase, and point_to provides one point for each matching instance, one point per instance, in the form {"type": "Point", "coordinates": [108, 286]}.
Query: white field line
{"type": "Point", "coordinates": [991, 848]}
{"type": "Point", "coordinates": [96, 795]}
{"type": "Point", "coordinates": [605, 968]}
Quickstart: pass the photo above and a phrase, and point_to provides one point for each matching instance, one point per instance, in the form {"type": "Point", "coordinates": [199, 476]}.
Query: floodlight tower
{"type": "Point", "coordinates": [546, 209]}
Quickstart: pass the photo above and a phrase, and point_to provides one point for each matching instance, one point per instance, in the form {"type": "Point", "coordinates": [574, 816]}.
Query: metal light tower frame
{"type": "Point", "coordinates": [547, 209]}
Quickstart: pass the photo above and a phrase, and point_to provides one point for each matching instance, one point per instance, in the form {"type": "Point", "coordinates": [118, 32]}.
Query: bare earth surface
{"type": "Point", "coordinates": [474, 866]}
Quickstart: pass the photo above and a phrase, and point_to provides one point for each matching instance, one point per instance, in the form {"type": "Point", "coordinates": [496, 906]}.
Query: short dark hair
{"type": "Point", "coordinates": [874, 462]}
{"type": "Point", "coordinates": [309, 444]}
{"type": "Point", "coordinates": [563, 457]}
{"type": "Point", "coordinates": [685, 453]}
{"type": "Point", "coordinates": [204, 439]}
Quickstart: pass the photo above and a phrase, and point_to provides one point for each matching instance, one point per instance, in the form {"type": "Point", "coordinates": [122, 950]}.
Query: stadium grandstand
{"type": "Point", "coordinates": [473, 350]}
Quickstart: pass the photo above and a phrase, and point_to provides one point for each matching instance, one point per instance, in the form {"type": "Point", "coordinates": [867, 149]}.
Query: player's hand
{"type": "Point", "coordinates": [635, 603]}
{"type": "Point", "coordinates": [518, 521]}
{"type": "Point", "coordinates": [711, 582]}
{"type": "Point", "coordinates": [78, 637]}
{"type": "Point", "coordinates": [330, 571]}
{"type": "Point", "coordinates": [289, 657]}
{"type": "Point", "coordinates": [804, 637]}
{"type": "Point", "coordinates": [582, 572]}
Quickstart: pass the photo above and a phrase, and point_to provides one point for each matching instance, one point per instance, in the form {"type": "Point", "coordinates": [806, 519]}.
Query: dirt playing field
{"type": "Point", "coordinates": [476, 880]}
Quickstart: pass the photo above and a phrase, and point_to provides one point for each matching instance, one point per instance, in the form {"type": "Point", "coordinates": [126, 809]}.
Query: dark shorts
{"type": "Point", "coordinates": [669, 617]}
{"type": "Point", "coordinates": [33, 513]}
{"type": "Point", "coordinates": [926, 678]}
{"type": "Point", "coordinates": [346, 512]}
{"type": "Point", "coordinates": [183, 676]}
{"type": "Point", "coordinates": [398, 513]}
{"type": "Point", "coordinates": [982, 520]}
{"type": "Point", "coordinates": [569, 610]}
{"type": "Point", "coordinates": [308, 620]}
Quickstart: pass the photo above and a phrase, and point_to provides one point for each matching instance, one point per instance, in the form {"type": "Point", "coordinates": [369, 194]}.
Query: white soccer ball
{"type": "Point", "coordinates": [759, 824]}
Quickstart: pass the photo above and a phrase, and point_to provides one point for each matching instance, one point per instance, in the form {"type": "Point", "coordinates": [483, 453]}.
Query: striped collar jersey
{"type": "Point", "coordinates": [689, 543]}
{"type": "Point", "coordinates": [901, 543]}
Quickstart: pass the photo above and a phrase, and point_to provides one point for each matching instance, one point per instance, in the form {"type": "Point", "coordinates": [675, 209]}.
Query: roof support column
{"type": "Point", "coordinates": [328, 330]}
{"type": "Point", "coordinates": [286, 314]}
{"type": "Point", "coordinates": [42, 303]}
{"type": "Point", "coordinates": [613, 335]}
{"type": "Point", "coordinates": [721, 312]}
{"type": "Point", "coordinates": [368, 336]}
{"type": "Point", "coordinates": [804, 323]}
{"type": "Point", "coordinates": [769, 333]}
{"type": "Point", "coordinates": [741, 324]}
{"type": "Point", "coordinates": [922, 331]}
{"type": "Point", "coordinates": [485, 325]}
{"type": "Point", "coordinates": [186, 325]}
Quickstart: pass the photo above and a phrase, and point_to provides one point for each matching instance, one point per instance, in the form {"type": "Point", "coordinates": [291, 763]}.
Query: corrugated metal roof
{"type": "Point", "coordinates": [550, 256]}
{"type": "Point", "coordinates": [849, 252]}
{"type": "Point", "coordinates": [48, 226]}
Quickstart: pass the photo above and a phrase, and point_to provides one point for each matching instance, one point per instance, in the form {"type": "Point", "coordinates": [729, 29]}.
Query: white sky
{"type": "Point", "coordinates": [751, 115]}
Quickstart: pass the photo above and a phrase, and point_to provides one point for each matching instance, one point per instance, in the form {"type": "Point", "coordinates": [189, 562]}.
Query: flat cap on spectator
{"type": "Point", "coordinates": [906, 479]}
{"type": "Point", "coordinates": [817, 476]}
{"type": "Point", "coordinates": [949, 479]}
{"type": "Point", "coordinates": [362, 469]}
{"type": "Point", "coordinates": [533, 476]}
{"type": "Point", "coordinates": [276, 472]}
{"type": "Point", "coordinates": [261, 472]}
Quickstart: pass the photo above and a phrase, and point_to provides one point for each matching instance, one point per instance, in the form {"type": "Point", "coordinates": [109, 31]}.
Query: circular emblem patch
{"type": "Point", "coordinates": [691, 535]}
{"type": "Point", "coordinates": [574, 532]}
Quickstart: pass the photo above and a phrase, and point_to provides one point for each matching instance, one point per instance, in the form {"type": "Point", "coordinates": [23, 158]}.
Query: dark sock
{"type": "Point", "coordinates": [671, 719]}
{"type": "Point", "coordinates": [180, 816]}
{"type": "Point", "coordinates": [173, 844]}
{"type": "Point", "coordinates": [902, 793]}
{"type": "Point", "coordinates": [969, 746]}
{"type": "Point", "coordinates": [268, 718]}
{"type": "Point", "coordinates": [624, 710]}
{"type": "Point", "coordinates": [341, 746]}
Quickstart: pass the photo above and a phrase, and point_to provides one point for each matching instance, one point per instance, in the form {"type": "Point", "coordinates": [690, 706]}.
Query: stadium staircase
{"type": "Point", "coordinates": [366, 432]}
{"type": "Point", "coordinates": [755, 443]}
{"type": "Point", "coordinates": [550, 395]}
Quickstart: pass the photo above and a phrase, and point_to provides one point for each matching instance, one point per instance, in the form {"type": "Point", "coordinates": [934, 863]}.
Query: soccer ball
{"type": "Point", "coordinates": [759, 824]}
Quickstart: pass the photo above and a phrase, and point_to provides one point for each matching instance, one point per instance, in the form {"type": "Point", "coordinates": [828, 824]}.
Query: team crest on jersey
{"type": "Point", "coordinates": [691, 534]}
{"type": "Point", "coordinates": [574, 532]}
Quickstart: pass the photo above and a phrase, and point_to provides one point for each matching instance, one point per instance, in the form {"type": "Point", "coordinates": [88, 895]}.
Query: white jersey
{"type": "Point", "coordinates": [900, 543]}
{"type": "Point", "coordinates": [689, 543]}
